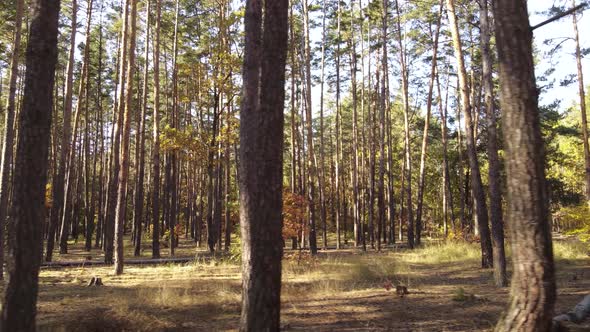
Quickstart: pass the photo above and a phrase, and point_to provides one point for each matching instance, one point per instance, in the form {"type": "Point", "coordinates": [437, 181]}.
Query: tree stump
{"type": "Point", "coordinates": [95, 281]}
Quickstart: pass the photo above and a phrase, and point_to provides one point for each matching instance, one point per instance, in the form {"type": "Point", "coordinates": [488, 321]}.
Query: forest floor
{"type": "Point", "coordinates": [337, 291]}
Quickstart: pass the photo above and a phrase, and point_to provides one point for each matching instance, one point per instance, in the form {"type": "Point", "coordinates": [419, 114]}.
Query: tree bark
{"type": "Point", "coordinates": [407, 146]}
{"type": "Point", "coordinates": [447, 191]}
{"type": "Point", "coordinates": [174, 124]}
{"type": "Point", "coordinates": [58, 185]}
{"type": "Point", "coordinates": [139, 188]}
{"type": "Point", "coordinates": [30, 171]}
{"type": "Point", "coordinates": [69, 174]}
{"type": "Point", "coordinates": [421, 183]}
{"type": "Point", "coordinates": [338, 157]}
{"type": "Point", "coordinates": [118, 122]}
{"type": "Point", "coordinates": [355, 139]}
{"type": "Point", "coordinates": [156, 138]}
{"type": "Point", "coordinates": [321, 173]}
{"type": "Point", "coordinates": [103, 163]}
{"type": "Point", "coordinates": [383, 110]}
{"type": "Point", "coordinates": [494, 161]}
{"type": "Point", "coordinates": [476, 183]}
{"type": "Point", "coordinates": [88, 180]}
{"type": "Point", "coordinates": [127, 99]}
{"type": "Point", "coordinates": [582, 95]}
{"type": "Point", "coordinates": [311, 165]}
{"type": "Point", "coordinates": [8, 142]}
{"type": "Point", "coordinates": [261, 163]}
{"type": "Point", "coordinates": [532, 293]}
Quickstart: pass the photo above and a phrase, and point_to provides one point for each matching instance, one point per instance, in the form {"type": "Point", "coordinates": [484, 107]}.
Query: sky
{"type": "Point", "coordinates": [564, 61]}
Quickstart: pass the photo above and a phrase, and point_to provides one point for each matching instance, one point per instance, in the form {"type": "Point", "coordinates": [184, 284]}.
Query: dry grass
{"type": "Point", "coordinates": [337, 291]}
{"type": "Point", "coordinates": [571, 250]}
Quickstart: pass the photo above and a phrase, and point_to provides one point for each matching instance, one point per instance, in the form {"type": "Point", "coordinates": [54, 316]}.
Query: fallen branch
{"type": "Point", "coordinates": [580, 312]}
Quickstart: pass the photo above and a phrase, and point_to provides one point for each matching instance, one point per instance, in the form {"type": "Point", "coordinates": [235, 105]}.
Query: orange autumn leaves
{"type": "Point", "coordinates": [294, 214]}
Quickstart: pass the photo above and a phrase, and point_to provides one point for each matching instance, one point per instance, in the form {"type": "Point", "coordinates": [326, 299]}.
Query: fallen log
{"type": "Point", "coordinates": [148, 261]}
{"type": "Point", "coordinates": [577, 315]}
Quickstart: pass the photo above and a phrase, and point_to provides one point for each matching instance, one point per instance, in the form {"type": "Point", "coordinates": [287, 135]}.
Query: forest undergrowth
{"type": "Point", "coordinates": [345, 290]}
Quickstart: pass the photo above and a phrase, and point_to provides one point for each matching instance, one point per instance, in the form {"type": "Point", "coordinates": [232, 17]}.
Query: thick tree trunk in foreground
{"type": "Point", "coordinates": [261, 163]}
{"type": "Point", "coordinates": [496, 219]}
{"type": "Point", "coordinates": [30, 172]}
{"type": "Point", "coordinates": [479, 198]}
{"type": "Point", "coordinates": [532, 293]}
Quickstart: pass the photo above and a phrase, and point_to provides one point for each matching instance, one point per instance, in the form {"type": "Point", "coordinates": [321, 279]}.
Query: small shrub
{"type": "Point", "coordinates": [460, 295]}
{"type": "Point", "coordinates": [235, 251]}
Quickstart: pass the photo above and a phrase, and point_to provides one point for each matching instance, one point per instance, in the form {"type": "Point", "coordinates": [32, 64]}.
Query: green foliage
{"type": "Point", "coordinates": [564, 154]}
{"type": "Point", "coordinates": [188, 141]}
{"type": "Point", "coordinates": [235, 250]}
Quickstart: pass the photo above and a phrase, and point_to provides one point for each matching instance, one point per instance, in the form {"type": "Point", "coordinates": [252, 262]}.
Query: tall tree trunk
{"type": "Point", "coordinates": [494, 162]}
{"type": "Point", "coordinates": [139, 188]}
{"type": "Point", "coordinates": [390, 191]}
{"type": "Point", "coordinates": [532, 293]}
{"type": "Point", "coordinates": [311, 171]}
{"type": "Point", "coordinates": [118, 119]}
{"type": "Point", "coordinates": [173, 156]}
{"type": "Point", "coordinates": [58, 185]}
{"type": "Point", "coordinates": [8, 142]}
{"type": "Point", "coordinates": [355, 138]}
{"type": "Point", "coordinates": [261, 163]}
{"type": "Point", "coordinates": [338, 157]}
{"type": "Point", "coordinates": [95, 158]}
{"type": "Point", "coordinates": [127, 99]}
{"type": "Point", "coordinates": [82, 102]}
{"type": "Point", "coordinates": [103, 159]}
{"type": "Point", "coordinates": [88, 180]}
{"type": "Point", "coordinates": [212, 227]}
{"type": "Point", "coordinates": [156, 138]}
{"type": "Point", "coordinates": [407, 146]}
{"type": "Point", "coordinates": [30, 171]}
{"type": "Point", "coordinates": [227, 188]}
{"type": "Point", "coordinates": [422, 183]}
{"type": "Point", "coordinates": [383, 110]}
{"type": "Point", "coordinates": [582, 95]}
{"type": "Point", "coordinates": [363, 169]}
{"type": "Point", "coordinates": [447, 191]}
{"type": "Point", "coordinates": [293, 65]}
{"type": "Point", "coordinates": [476, 184]}
{"type": "Point", "coordinates": [321, 173]}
